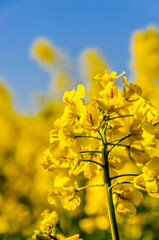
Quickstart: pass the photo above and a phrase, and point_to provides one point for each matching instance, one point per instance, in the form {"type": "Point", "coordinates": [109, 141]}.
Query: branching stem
{"type": "Point", "coordinates": [130, 115]}
{"type": "Point", "coordinates": [85, 187]}
{"type": "Point", "coordinates": [118, 183]}
{"type": "Point", "coordinates": [121, 145]}
{"type": "Point", "coordinates": [91, 152]}
{"type": "Point", "coordinates": [124, 175]}
{"type": "Point", "coordinates": [121, 139]}
{"type": "Point", "coordinates": [100, 136]}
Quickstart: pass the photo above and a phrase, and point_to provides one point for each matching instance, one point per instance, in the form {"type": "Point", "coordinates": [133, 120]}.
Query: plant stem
{"type": "Point", "coordinates": [120, 145]}
{"type": "Point", "coordinates": [121, 138]}
{"type": "Point", "coordinates": [100, 136]}
{"type": "Point", "coordinates": [111, 211]}
{"type": "Point", "coordinates": [119, 142]}
{"type": "Point", "coordinates": [91, 152]}
{"type": "Point", "coordinates": [85, 187]}
{"type": "Point", "coordinates": [123, 175]}
{"type": "Point", "coordinates": [112, 217]}
{"type": "Point", "coordinates": [118, 183]}
{"type": "Point", "coordinates": [130, 115]}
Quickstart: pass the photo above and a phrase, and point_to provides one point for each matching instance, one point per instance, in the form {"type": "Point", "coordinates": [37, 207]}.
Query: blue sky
{"type": "Point", "coordinates": [72, 25]}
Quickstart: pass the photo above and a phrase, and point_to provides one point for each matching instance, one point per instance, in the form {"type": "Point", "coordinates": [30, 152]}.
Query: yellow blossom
{"type": "Point", "coordinates": [107, 77]}
{"type": "Point", "coordinates": [74, 237]}
{"type": "Point", "coordinates": [91, 117]}
{"type": "Point", "coordinates": [71, 97]}
{"type": "Point", "coordinates": [89, 224]}
{"type": "Point", "coordinates": [92, 62]}
{"type": "Point", "coordinates": [111, 97]}
{"type": "Point", "coordinates": [64, 194]}
{"type": "Point", "coordinates": [131, 92]}
{"type": "Point", "coordinates": [43, 51]}
{"type": "Point", "coordinates": [126, 199]}
{"type": "Point", "coordinates": [149, 179]}
{"type": "Point", "coordinates": [73, 104]}
{"type": "Point", "coordinates": [50, 219]}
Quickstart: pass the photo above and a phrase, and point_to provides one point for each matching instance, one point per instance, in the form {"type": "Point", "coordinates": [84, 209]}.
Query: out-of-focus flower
{"type": "Point", "coordinates": [50, 219]}
{"type": "Point", "coordinates": [43, 51]}
{"type": "Point", "coordinates": [91, 63]}
{"type": "Point", "coordinates": [145, 61]}
{"type": "Point", "coordinates": [89, 224]}
{"type": "Point", "coordinates": [50, 228]}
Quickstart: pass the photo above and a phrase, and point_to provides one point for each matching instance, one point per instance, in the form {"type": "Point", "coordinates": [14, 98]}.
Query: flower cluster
{"type": "Point", "coordinates": [50, 228]}
{"type": "Point", "coordinates": [117, 123]}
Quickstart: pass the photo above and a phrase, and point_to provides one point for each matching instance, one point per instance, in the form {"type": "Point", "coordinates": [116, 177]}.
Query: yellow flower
{"type": "Point", "coordinates": [91, 63]}
{"type": "Point", "coordinates": [43, 51]}
{"type": "Point", "coordinates": [50, 219]}
{"type": "Point", "coordinates": [90, 169]}
{"type": "Point", "coordinates": [71, 97]}
{"type": "Point", "coordinates": [89, 224]}
{"type": "Point", "coordinates": [149, 179]}
{"type": "Point", "coordinates": [62, 80]}
{"type": "Point", "coordinates": [50, 225]}
{"type": "Point", "coordinates": [66, 159]}
{"type": "Point", "coordinates": [111, 97]}
{"type": "Point", "coordinates": [64, 194]}
{"type": "Point", "coordinates": [142, 130]}
{"type": "Point", "coordinates": [136, 130]}
{"type": "Point", "coordinates": [126, 199]}
{"type": "Point", "coordinates": [74, 237]}
{"type": "Point", "coordinates": [138, 154]}
{"type": "Point", "coordinates": [131, 92]}
{"type": "Point", "coordinates": [91, 117]}
{"type": "Point", "coordinates": [74, 104]}
{"type": "Point", "coordinates": [107, 77]}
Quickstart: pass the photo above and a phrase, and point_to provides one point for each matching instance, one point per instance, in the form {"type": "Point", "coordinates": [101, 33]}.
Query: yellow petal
{"type": "Point", "coordinates": [81, 92]}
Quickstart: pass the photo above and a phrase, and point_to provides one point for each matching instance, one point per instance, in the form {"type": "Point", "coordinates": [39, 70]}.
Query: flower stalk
{"type": "Point", "coordinates": [111, 211]}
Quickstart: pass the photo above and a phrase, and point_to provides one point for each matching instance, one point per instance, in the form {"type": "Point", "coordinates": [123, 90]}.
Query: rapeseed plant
{"type": "Point", "coordinates": [98, 139]}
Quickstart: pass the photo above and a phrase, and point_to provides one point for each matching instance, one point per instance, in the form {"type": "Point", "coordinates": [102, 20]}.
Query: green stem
{"type": "Point", "coordinates": [119, 142]}
{"type": "Point", "coordinates": [85, 187]}
{"type": "Point", "coordinates": [124, 175]}
{"type": "Point", "coordinates": [89, 160]}
{"type": "Point", "coordinates": [98, 147]}
{"type": "Point", "coordinates": [121, 145]}
{"type": "Point", "coordinates": [88, 137]}
{"type": "Point", "coordinates": [105, 130]}
{"type": "Point", "coordinates": [100, 136]}
{"type": "Point", "coordinates": [121, 138]}
{"type": "Point", "coordinates": [90, 152]}
{"type": "Point", "coordinates": [130, 115]}
{"type": "Point", "coordinates": [118, 183]}
{"type": "Point", "coordinates": [116, 112]}
{"type": "Point", "coordinates": [111, 211]}
{"type": "Point", "coordinates": [59, 228]}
